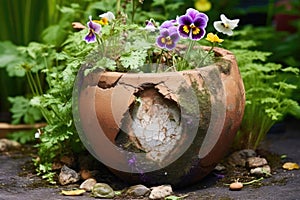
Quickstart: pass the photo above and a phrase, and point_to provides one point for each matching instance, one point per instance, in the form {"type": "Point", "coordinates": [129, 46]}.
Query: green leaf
{"type": "Point", "coordinates": [54, 35]}
{"type": "Point", "coordinates": [134, 59]}
{"type": "Point", "coordinates": [23, 111]}
{"type": "Point", "coordinates": [8, 53]}
{"type": "Point", "coordinates": [285, 85]}
{"type": "Point", "coordinates": [291, 69]}
{"type": "Point", "coordinates": [158, 3]}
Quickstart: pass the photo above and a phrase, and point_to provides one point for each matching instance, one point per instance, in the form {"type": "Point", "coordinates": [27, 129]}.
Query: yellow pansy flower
{"type": "Point", "coordinates": [213, 38]}
{"type": "Point", "coordinates": [203, 5]}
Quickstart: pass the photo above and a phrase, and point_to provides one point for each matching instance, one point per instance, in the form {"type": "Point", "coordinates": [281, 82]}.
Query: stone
{"type": "Point", "coordinates": [160, 192]}
{"type": "Point", "coordinates": [67, 176]}
{"type": "Point", "coordinates": [236, 186]}
{"type": "Point", "coordinates": [88, 184]}
{"type": "Point", "coordinates": [138, 191]}
{"type": "Point", "coordinates": [85, 174]}
{"type": "Point", "coordinates": [239, 158]}
{"type": "Point", "coordinates": [261, 171]}
{"type": "Point", "coordinates": [220, 167]}
{"type": "Point", "coordinates": [6, 145]}
{"type": "Point", "coordinates": [102, 190]}
{"type": "Point", "coordinates": [256, 162]}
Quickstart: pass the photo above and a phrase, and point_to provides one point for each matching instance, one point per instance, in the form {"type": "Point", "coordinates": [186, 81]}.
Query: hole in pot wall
{"type": "Point", "coordinates": [152, 125]}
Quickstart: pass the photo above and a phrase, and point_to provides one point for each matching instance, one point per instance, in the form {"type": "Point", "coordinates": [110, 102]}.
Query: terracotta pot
{"type": "Point", "coordinates": [158, 128]}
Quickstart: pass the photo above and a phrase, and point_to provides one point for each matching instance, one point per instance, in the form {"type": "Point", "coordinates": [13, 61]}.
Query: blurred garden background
{"type": "Point", "coordinates": [35, 46]}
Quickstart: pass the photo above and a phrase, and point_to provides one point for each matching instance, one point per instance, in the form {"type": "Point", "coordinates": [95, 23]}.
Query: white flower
{"type": "Point", "coordinates": [226, 25]}
{"type": "Point", "coordinates": [108, 15]}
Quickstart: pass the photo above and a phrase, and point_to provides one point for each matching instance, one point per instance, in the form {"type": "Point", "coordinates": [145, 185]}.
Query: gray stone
{"type": "Point", "coordinates": [220, 167]}
{"type": "Point", "coordinates": [256, 162]}
{"type": "Point", "coordinates": [261, 171]}
{"type": "Point", "coordinates": [88, 184]}
{"type": "Point", "coordinates": [67, 176]}
{"type": "Point", "coordinates": [239, 158]}
{"type": "Point", "coordinates": [137, 191]}
{"type": "Point", "coordinates": [102, 190]}
{"type": "Point", "coordinates": [160, 192]}
{"type": "Point", "coordinates": [6, 145]}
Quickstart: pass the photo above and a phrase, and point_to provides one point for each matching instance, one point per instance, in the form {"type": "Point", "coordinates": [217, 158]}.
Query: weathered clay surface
{"type": "Point", "coordinates": [190, 117]}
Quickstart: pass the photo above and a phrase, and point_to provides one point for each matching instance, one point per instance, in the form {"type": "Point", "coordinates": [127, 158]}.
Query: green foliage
{"type": "Point", "coordinates": [23, 111]}
{"type": "Point", "coordinates": [22, 137]}
{"type": "Point", "coordinates": [50, 70]}
{"type": "Point", "coordinates": [268, 94]}
{"type": "Point", "coordinates": [134, 59]}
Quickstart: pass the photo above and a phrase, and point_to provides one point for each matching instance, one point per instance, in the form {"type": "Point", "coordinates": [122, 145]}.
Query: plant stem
{"type": "Point", "coordinates": [159, 60]}
{"type": "Point", "coordinates": [191, 45]}
{"type": "Point", "coordinates": [209, 52]}
{"type": "Point", "coordinates": [133, 11]}
{"type": "Point", "coordinates": [35, 87]}
{"type": "Point", "coordinates": [37, 77]}
{"type": "Point", "coordinates": [30, 84]}
{"type": "Point", "coordinates": [118, 6]}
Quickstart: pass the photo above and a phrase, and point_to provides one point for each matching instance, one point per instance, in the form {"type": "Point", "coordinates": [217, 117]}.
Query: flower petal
{"type": "Point", "coordinates": [108, 15]}
{"type": "Point", "coordinates": [203, 5]}
{"type": "Point", "coordinates": [171, 45]}
{"type": "Point", "coordinates": [200, 22]}
{"type": "Point", "coordinates": [198, 36]}
{"type": "Point", "coordinates": [213, 38]}
{"type": "Point", "coordinates": [231, 23]}
{"type": "Point", "coordinates": [166, 24]}
{"type": "Point", "coordinates": [174, 37]}
{"type": "Point", "coordinates": [219, 26]}
{"type": "Point", "coordinates": [150, 26]}
{"type": "Point", "coordinates": [182, 31]}
{"type": "Point", "coordinates": [164, 32]}
{"type": "Point", "coordinates": [185, 20]}
{"type": "Point", "coordinates": [90, 37]}
{"type": "Point", "coordinates": [161, 41]}
{"type": "Point", "coordinates": [191, 12]}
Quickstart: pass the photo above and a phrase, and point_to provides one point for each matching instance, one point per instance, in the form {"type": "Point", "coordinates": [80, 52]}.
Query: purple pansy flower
{"type": "Point", "coordinates": [150, 26]}
{"type": "Point", "coordinates": [94, 28]}
{"type": "Point", "coordinates": [192, 25]}
{"type": "Point", "coordinates": [168, 24]}
{"type": "Point", "coordinates": [168, 37]}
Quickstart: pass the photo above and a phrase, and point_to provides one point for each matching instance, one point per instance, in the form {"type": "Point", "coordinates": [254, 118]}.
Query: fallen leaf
{"type": "Point", "coordinates": [72, 192]}
{"type": "Point", "coordinates": [173, 197]}
{"type": "Point", "coordinates": [290, 166]}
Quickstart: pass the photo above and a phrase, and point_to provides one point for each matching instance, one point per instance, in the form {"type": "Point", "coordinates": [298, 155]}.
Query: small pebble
{"type": "Point", "coordinates": [239, 158]}
{"type": "Point", "coordinates": [220, 167]}
{"type": "Point", "coordinates": [261, 171]}
{"type": "Point", "coordinates": [6, 145]}
{"type": "Point", "coordinates": [67, 176]}
{"type": "Point", "coordinates": [85, 174]}
{"type": "Point", "coordinates": [137, 191]}
{"type": "Point", "coordinates": [102, 190]}
{"type": "Point", "coordinates": [160, 192]}
{"type": "Point", "coordinates": [88, 184]}
{"type": "Point", "coordinates": [256, 162]}
{"type": "Point", "coordinates": [236, 186]}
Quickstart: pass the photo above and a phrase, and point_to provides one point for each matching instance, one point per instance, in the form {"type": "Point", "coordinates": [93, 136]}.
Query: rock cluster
{"type": "Point", "coordinates": [249, 159]}
{"type": "Point", "coordinates": [103, 190]}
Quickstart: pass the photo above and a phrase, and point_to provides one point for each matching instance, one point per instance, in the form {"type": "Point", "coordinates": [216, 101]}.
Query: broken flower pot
{"type": "Point", "coordinates": [161, 128]}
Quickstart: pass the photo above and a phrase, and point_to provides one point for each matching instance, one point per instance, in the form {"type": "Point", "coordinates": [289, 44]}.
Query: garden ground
{"type": "Point", "coordinates": [18, 180]}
